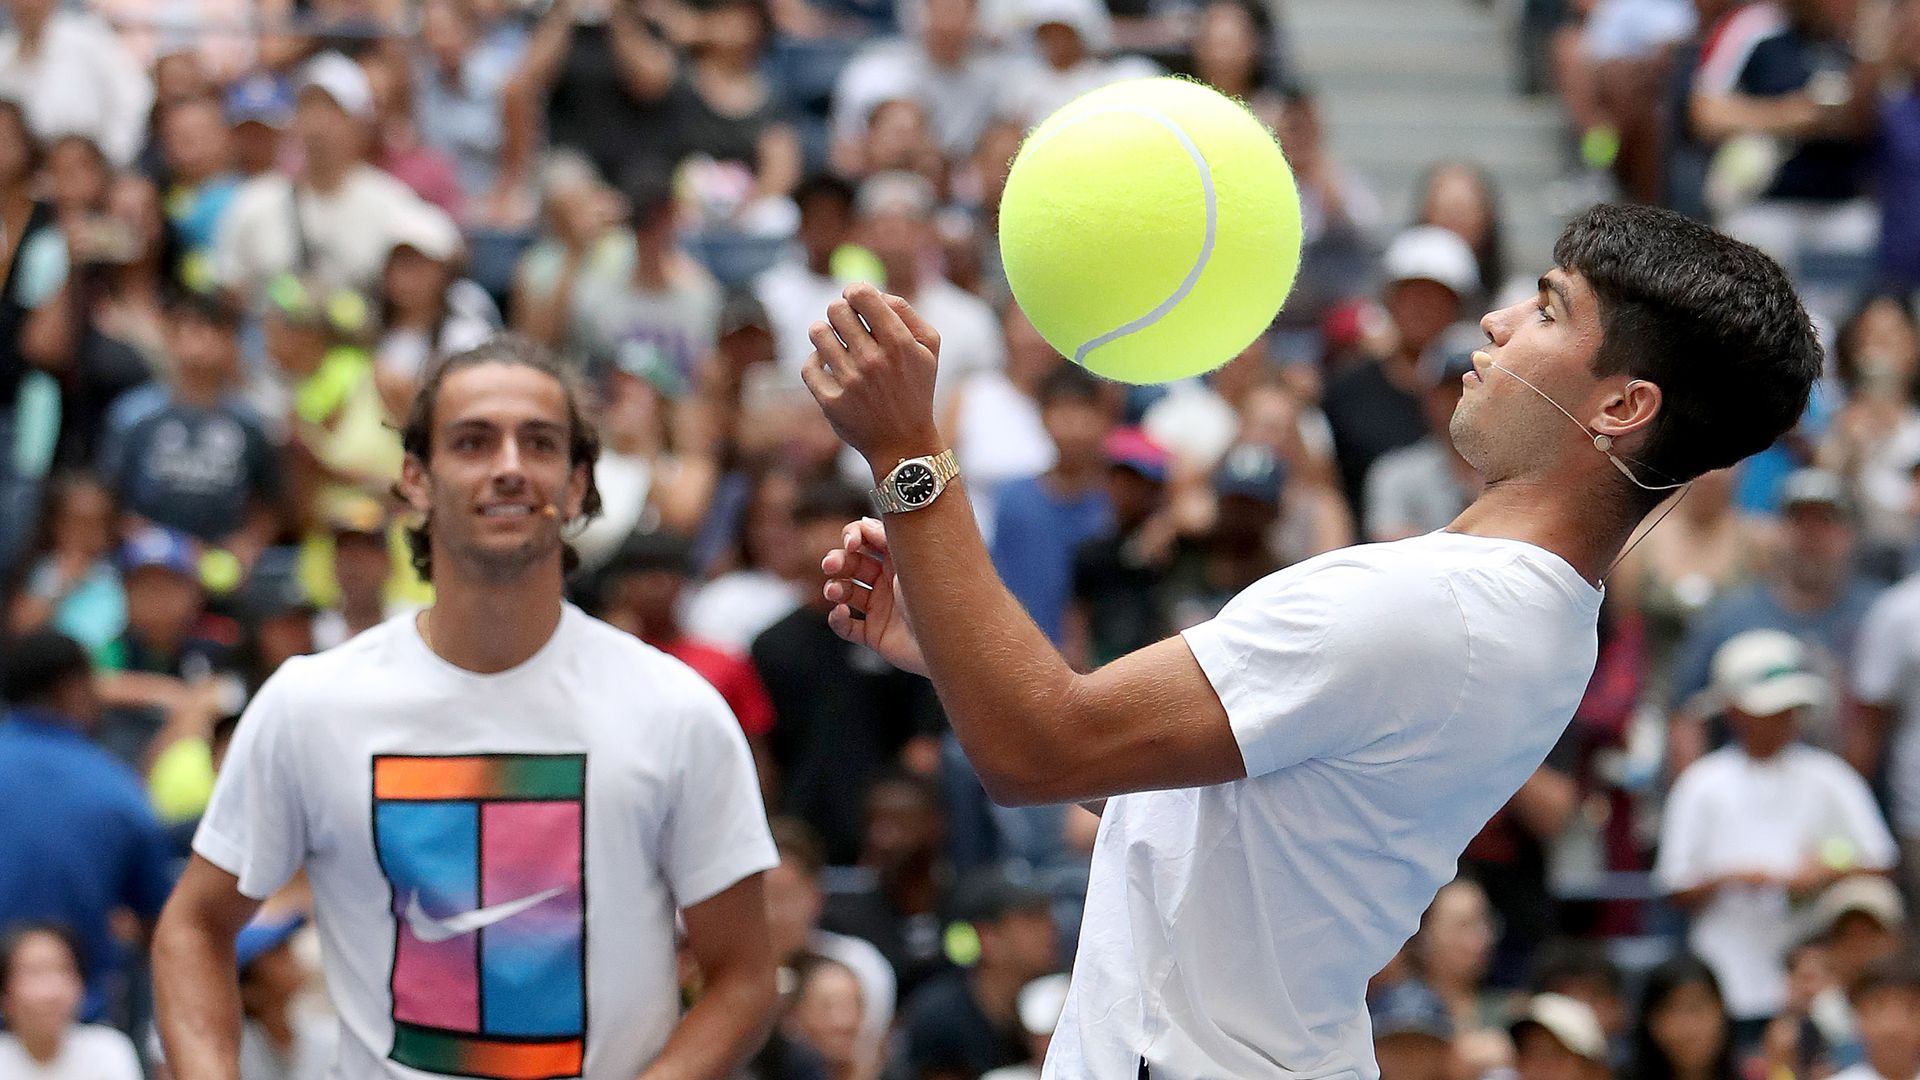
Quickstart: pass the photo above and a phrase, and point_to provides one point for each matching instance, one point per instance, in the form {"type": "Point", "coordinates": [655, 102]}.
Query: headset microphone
{"type": "Point", "coordinates": [550, 510]}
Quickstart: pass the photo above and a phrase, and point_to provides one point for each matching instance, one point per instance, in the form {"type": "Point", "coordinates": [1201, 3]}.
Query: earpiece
{"type": "Point", "coordinates": [1603, 443]}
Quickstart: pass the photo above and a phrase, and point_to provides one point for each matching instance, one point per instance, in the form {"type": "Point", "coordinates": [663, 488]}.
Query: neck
{"type": "Point", "coordinates": [41, 1046]}
{"type": "Point", "coordinates": [650, 266]}
{"type": "Point", "coordinates": [362, 612]}
{"type": "Point", "coordinates": [1563, 518]}
{"type": "Point", "coordinates": [1804, 596]}
{"type": "Point", "coordinates": [199, 391]}
{"type": "Point", "coordinates": [495, 627]}
{"type": "Point", "coordinates": [1076, 478]}
{"type": "Point", "coordinates": [326, 176]}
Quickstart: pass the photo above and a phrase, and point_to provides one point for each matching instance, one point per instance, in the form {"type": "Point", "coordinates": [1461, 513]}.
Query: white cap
{"type": "Point", "coordinates": [1040, 1003]}
{"type": "Point", "coordinates": [1869, 894]}
{"type": "Point", "coordinates": [342, 80]}
{"type": "Point", "coordinates": [1431, 253]}
{"type": "Point", "coordinates": [426, 229]}
{"type": "Point", "coordinates": [1569, 1021]}
{"type": "Point", "coordinates": [1766, 673]}
{"type": "Point", "coordinates": [1088, 18]}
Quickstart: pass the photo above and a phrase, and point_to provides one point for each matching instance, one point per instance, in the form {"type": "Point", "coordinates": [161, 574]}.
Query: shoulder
{"type": "Point", "coordinates": [1824, 765]}
{"type": "Point", "coordinates": [1709, 771]}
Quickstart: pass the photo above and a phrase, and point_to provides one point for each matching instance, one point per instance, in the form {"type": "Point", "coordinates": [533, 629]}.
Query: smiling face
{"type": "Point", "coordinates": [500, 458]}
{"type": "Point", "coordinates": [1506, 430]}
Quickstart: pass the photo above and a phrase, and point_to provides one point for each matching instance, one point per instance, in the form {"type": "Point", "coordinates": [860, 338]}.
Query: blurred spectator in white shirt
{"type": "Point", "coordinates": [943, 66]}
{"type": "Point", "coordinates": [75, 77]}
{"type": "Point", "coordinates": [1071, 40]}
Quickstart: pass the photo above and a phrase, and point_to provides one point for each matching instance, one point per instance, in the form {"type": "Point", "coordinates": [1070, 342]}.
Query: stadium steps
{"type": "Point", "coordinates": [1403, 83]}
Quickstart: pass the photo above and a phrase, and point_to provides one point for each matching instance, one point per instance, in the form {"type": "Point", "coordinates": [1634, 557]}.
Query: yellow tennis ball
{"type": "Point", "coordinates": [1150, 229]}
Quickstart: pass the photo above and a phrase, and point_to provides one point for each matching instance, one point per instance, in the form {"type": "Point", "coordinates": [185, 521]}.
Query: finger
{"type": "Point", "coordinates": [860, 344]}
{"type": "Point", "coordinates": [922, 330]}
{"type": "Point", "coordinates": [843, 564]}
{"type": "Point", "coordinates": [855, 595]}
{"type": "Point", "coordinates": [871, 537]}
{"type": "Point", "coordinates": [821, 382]}
{"type": "Point", "coordinates": [847, 623]}
{"type": "Point", "coordinates": [832, 350]}
{"type": "Point", "coordinates": [870, 304]}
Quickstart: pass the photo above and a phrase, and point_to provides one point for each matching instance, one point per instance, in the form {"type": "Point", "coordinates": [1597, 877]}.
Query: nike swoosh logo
{"type": "Point", "coordinates": [429, 929]}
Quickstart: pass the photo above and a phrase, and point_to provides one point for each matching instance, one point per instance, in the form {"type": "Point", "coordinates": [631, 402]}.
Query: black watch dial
{"type": "Point", "coordinates": [915, 484]}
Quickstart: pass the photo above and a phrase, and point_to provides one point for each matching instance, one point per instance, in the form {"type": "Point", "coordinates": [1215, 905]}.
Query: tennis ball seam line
{"type": "Point", "coordinates": [1161, 310]}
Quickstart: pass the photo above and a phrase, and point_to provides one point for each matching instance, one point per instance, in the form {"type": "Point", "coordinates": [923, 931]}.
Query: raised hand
{"type": "Point", "coordinates": [868, 610]}
{"type": "Point", "coordinates": [872, 372]}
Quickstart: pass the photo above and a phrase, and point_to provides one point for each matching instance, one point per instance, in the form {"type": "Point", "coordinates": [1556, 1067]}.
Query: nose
{"type": "Point", "coordinates": [1497, 326]}
{"type": "Point", "coordinates": [507, 472]}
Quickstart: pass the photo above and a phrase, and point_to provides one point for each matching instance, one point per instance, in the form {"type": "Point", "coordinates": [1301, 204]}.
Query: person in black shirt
{"type": "Point", "coordinates": [1118, 578]}
{"type": "Point", "coordinates": [892, 898]}
{"type": "Point", "coordinates": [842, 715]}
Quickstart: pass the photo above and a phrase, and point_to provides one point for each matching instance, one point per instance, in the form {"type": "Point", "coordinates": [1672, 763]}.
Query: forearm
{"type": "Point", "coordinates": [197, 999]}
{"type": "Point", "coordinates": [1718, 118]}
{"type": "Point", "coordinates": [1005, 688]}
{"type": "Point", "coordinates": [723, 1029]}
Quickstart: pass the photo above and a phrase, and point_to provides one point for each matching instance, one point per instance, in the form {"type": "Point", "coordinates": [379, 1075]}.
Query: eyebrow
{"type": "Point", "coordinates": [1549, 285]}
{"type": "Point", "coordinates": [473, 423]}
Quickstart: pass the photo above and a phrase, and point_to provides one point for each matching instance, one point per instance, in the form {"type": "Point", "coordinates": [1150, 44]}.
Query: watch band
{"type": "Point", "coordinates": [945, 468]}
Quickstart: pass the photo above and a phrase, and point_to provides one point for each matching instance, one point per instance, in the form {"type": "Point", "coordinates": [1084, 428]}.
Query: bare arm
{"type": "Point", "coordinates": [1720, 117]}
{"type": "Point", "coordinates": [1034, 729]}
{"type": "Point", "coordinates": [1546, 803]}
{"type": "Point", "coordinates": [728, 935]}
{"type": "Point", "coordinates": [1866, 737]}
{"type": "Point", "coordinates": [195, 986]}
{"type": "Point", "coordinates": [647, 65]}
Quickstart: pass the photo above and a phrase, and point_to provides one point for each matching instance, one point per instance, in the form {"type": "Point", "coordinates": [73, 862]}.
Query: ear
{"type": "Point", "coordinates": [1628, 411]}
{"type": "Point", "coordinates": [413, 484]}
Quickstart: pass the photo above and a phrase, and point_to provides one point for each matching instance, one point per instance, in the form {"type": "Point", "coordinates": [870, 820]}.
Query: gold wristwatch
{"type": "Point", "coordinates": [915, 483]}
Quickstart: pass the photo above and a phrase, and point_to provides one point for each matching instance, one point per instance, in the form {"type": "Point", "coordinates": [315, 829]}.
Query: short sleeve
{"type": "Point", "coordinates": [255, 825]}
{"type": "Point", "coordinates": [43, 267]}
{"type": "Point", "coordinates": [716, 830]}
{"type": "Point", "coordinates": [1873, 842]}
{"type": "Point", "coordinates": [1312, 665]}
{"type": "Point", "coordinates": [1679, 865]}
{"type": "Point", "coordinates": [1880, 650]}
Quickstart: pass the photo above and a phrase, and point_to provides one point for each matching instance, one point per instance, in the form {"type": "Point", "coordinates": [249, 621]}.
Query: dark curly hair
{"type": "Point", "coordinates": [583, 442]}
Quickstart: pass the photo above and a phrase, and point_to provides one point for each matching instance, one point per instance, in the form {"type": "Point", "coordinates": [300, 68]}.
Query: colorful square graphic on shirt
{"type": "Point", "coordinates": [486, 858]}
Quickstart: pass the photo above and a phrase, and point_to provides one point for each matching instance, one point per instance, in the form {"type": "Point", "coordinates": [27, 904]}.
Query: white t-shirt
{"type": "Point", "coordinates": [349, 231]}
{"type": "Point", "coordinates": [1387, 700]}
{"type": "Point", "coordinates": [970, 338]}
{"type": "Point", "coordinates": [1729, 813]}
{"type": "Point", "coordinates": [496, 860]}
{"type": "Point", "coordinates": [90, 1052]}
{"type": "Point", "coordinates": [998, 438]}
{"type": "Point", "coordinates": [1886, 671]}
{"type": "Point", "coordinates": [795, 298]}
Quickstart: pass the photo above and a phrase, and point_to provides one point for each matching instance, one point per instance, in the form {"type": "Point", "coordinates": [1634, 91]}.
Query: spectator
{"type": "Point", "coordinates": [898, 139]}
{"type": "Point", "coordinates": [583, 241]}
{"type": "Point", "coordinates": [363, 565]}
{"type": "Point", "coordinates": [1899, 159]}
{"type": "Point", "coordinates": [945, 67]}
{"type": "Point", "coordinates": [41, 993]}
{"type": "Point", "coordinates": [765, 577]}
{"type": "Point", "coordinates": [1704, 550]}
{"type": "Point", "coordinates": [344, 414]}
{"type": "Point", "coordinates": [1341, 219]}
{"type": "Point", "coordinates": [336, 222]}
{"type": "Point", "coordinates": [1038, 1007]}
{"type": "Point", "coordinates": [258, 109]}
{"type": "Point", "coordinates": [1754, 825]}
{"type": "Point", "coordinates": [966, 1022]}
{"type": "Point", "coordinates": [118, 286]}
{"type": "Point", "coordinates": [169, 644]}
{"type": "Point", "coordinates": [796, 899]}
{"type": "Point", "coordinates": [430, 311]}
{"type": "Point", "coordinates": [1582, 970]}
{"type": "Point", "coordinates": [199, 153]}
{"type": "Point", "coordinates": [279, 1038]}
{"type": "Point", "coordinates": [1236, 547]}
{"type": "Point", "coordinates": [1233, 51]}
{"type": "Point", "coordinates": [188, 454]}
{"type": "Point", "coordinates": [1419, 488]}
{"type": "Point", "coordinates": [80, 842]}
{"type": "Point", "coordinates": [826, 1017]}
{"type": "Point", "coordinates": [1412, 1033]}
{"type": "Point", "coordinates": [842, 718]}
{"type": "Point", "coordinates": [668, 304]}
{"type": "Point", "coordinates": [1875, 437]}
{"type": "Point", "coordinates": [1039, 522]}
{"type": "Point", "coordinates": [1072, 40]}
{"type": "Point", "coordinates": [399, 149]}
{"type": "Point", "coordinates": [1884, 734]}
{"type": "Point", "coordinates": [1814, 1031]}
{"type": "Point", "coordinates": [796, 291]}
{"type": "Point", "coordinates": [460, 73]}
{"type": "Point", "coordinates": [893, 898]}
{"type": "Point", "coordinates": [1887, 1000]}
{"type": "Point", "coordinates": [74, 77]}
{"type": "Point", "coordinates": [1812, 591]}
{"type": "Point", "coordinates": [1462, 198]}
{"type": "Point", "coordinates": [1558, 1039]}
{"type": "Point", "coordinates": [894, 212]}
{"type": "Point", "coordinates": [74, 586]}
{"type": "Point", "coordinates": [1375, 407]}
{"type": "Point", "coordinates": [740, 157]}
{"type": "Point", "coordinates": [642, 589]}
{"type": "Point", "coordinates": [1792, 112]}
{"type": "Point", "coordinates": [1857, 923]}
{"type": "Point", "coordinates": [1452, 953]}
{"type": "Point", "coordinates": [1683, 1032]}
{"type": "Point", "coordinates": [36, 324]}
{"type": "Point", "coordinates": [1119, 578]}
{"type": "Point", "coordinates": [995, 421]}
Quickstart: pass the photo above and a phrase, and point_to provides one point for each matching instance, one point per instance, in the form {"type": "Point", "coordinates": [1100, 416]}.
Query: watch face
{"type": "Point", "coordinates": [915, 484]}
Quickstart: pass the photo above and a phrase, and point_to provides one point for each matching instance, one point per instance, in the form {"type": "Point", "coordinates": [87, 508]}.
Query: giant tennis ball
{"type": "Point", "coordinates": [1150, 229]}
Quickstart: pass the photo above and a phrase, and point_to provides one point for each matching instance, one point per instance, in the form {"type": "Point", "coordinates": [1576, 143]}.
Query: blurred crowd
{"type": "Point", "coordinates": [234, 234]}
